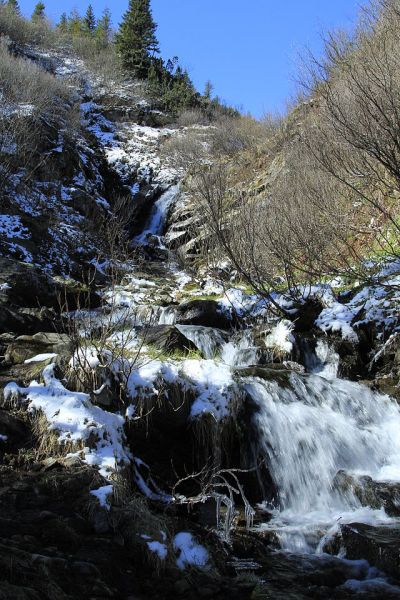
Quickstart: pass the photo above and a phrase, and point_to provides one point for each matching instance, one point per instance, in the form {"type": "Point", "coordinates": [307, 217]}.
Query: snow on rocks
{"type": "Point", "coordinates": [103, 495]}
{"type": "Point", "coordinates": [212, 383]}
{"type": "Point", "coordinates": [40, 358]}
{"type": "Point", "coordinates": [190, 552]}
{"type": "Point", "coordinates": [281, 338]}
{"type": "Point", "coordinates": [77, 422]}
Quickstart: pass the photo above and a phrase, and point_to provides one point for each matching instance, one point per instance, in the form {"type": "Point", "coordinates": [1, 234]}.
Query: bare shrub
{"type": "Point", "coordinates": [22, 31]}
{"type": "Point", "coordinates": [356, 138]}
{"type": "Point", "coordinates": [187, 150]}
{"type": "Point", "coordinates": [103, 60]}
{"type": "Point", "coordinates": [194, 116]}
{"type": "Point", "coordinates": [31, 99]}
{"type": "Point", "coordinates": [232, 135]}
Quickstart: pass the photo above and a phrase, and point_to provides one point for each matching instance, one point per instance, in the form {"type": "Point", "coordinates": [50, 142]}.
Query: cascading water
{"type": "Point", "coordinates": [156, 223]}
{"type": "Point", "coordinates": [206, 339]}
{"type": "Point", "coordinates": [241, 352]}
{"type": "Point", "coordinates": [309, 430]}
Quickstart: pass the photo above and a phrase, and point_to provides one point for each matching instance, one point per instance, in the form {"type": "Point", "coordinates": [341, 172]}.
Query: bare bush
{"type": "Point", "coordinates": [22, 31]}
{"type": "Point", "coordinates": [356, 138]}
{"type": "Point", "coordinates": [31, 100]}
{"type": "Point", "coordinates": [232, 135]}
{"type": "Point", "coordinates": [194, 116]}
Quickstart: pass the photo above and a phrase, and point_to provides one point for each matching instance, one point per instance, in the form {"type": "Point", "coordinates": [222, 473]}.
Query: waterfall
{"type": "Point", "coordinates": [241, 352]}
{"type": "Point", "coordinates": [308, 431]}
{"type": "Point", "coordinates": [206, 339]}
{"type": "Point", "coordinates": [156, 222]}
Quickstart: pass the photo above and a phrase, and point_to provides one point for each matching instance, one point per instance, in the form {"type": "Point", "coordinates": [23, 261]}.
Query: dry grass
{"type": "Point", "coordinates": [48, 442]}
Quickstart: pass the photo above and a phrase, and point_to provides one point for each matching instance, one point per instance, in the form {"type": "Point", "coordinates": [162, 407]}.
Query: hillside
{"type": "Point", "coordinates": [199, 326]}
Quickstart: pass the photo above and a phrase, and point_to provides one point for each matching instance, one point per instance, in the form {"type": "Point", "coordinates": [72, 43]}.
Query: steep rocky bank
{"type": "Point", "coordinates": [161, 433]}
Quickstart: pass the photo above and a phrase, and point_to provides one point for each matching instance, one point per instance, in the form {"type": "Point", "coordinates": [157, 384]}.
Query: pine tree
{"type": "Point", "coordinates": [38, 13]}
{"type": "Point", "coordinates": [208, 90]}
{"type": "Point", "coordinates": [89, 21]}
{"type": "Point", "coordinates": [63, 24]}
{"type": "Point", "coordinates": [103, 29]}
{"type": "Point", "coordinates": [136, 40]}
{"type": "Point", "coordinates": [14, 6]}
{"type": "Point", "coordinates": [75, 25]}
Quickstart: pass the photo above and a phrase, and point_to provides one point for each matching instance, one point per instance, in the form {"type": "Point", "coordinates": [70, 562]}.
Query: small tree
{"type": "Point", "coordinates": [103, 29]}
{"type": "Point", "coordinates": [13, 4]}
{"type": "Point", "coordinates": [75, 25]}
{"type": "Point", "coordinates": [208, 90]}
{"type": "Point", "coordinates": [38, 13]}
{"type": "Point", "coordinates": [136, 40]}
{"type": "Point", "coordinates": [89, 21]}
{"type": "Point", "coordinates": [63, 24]}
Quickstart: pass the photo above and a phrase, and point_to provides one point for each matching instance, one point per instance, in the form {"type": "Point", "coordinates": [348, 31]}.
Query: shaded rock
{"type": "Point", "coordinates": [26, 347]}
{"type": "Point", "coordinates": [26, 285]}
{"type": "Point", "coordinates": [15, 430]}
{"type": "Point", "coordinates": [25, 320]}
{"type": "Point", "coordinates": [376, 494]}
{"type": "Point", "coordinates": [203, 312]}
{"type": "Point", "coordinates": [306, 315]}
{"type": "Point", "coordinates": [380, 546]}
{"type": "Point", "coordinates": [167, 338]}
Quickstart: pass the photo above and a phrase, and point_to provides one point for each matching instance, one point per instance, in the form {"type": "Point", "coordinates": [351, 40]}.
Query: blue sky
{"type": "Point", "coordinates": [247, 49]}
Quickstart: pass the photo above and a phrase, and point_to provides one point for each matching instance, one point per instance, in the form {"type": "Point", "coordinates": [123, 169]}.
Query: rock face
{"type": "Point", "coordinates": [378, 545]}
{"type": "Point", "coordinates": [26, 346]}
{"type": "Point", "coordinates": [376, 494]}
{"type": "Point", "coordinates": [202, 312]}
{"type": "Point", "coordinates": [167, 338]}
{"type": "Point", "coordinates": [25, 285]}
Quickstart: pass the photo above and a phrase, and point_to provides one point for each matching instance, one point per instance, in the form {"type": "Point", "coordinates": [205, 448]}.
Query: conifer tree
{"type": "Point", "coordinates": [14, 6]}
{"type": "Point", "coordinates": [103, 29]}
{"type": "Point", "coordinates": [136, 40]}
{"type": "Point", "coordinates": [75, 25]}
{"type": "Point", "coordinates": [89, 21]}
{"type": "Point", "coordinates": [208, 90]}
{"type": "Point", "coordinates": [38, 13]}
{"type": "Point", "coordinates": [63, 24]}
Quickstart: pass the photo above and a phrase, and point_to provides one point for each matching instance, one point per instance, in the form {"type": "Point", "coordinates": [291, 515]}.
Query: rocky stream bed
{"type": "Point", "coordinates": [171, 439]}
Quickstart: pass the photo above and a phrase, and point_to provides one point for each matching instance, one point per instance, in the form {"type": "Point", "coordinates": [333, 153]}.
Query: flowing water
{"type": "Point", "coordinates": [309, 428]}
{"type": "Point", "coordinates": [308, 431]}
{"type": "Point", "coordinates": [156, 223]}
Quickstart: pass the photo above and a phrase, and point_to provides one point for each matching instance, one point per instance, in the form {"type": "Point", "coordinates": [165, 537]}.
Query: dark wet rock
{"type": "Point", "coordinates": [306, 314]}
{"type": "Point", "coordinates": [375, 494]}
{"type": "Point", "coordinates": [26, 320]}
{"type": "Point", "coordinates": [203, 312]}
{"type": "Point", "coordinates": [380, 546]}
{"type": "Point", "coordinates": [26, 285]}
{"type": "Point", "coordinates": [271, 372]}
{"type": "Point", "coordinates": [167, 338]}
{"type": "Point", "coordinates": [25, 347]}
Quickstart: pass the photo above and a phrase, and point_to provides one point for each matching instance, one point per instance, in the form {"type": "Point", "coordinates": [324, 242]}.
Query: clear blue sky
{"type": "Point", "coordinates": [248, 49]}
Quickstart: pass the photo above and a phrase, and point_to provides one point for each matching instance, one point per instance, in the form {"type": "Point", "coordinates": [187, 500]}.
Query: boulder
{"type": "Point", "coordinates": [167, 338]}
{"type": "Point", "coordinates": [27, 346]}
{"type": "Point", "coordinates": [380, 546]}
{"type": "Point", "coordinates": [376, 494]}
{"type": "Point", "coordinates": [203, 312]}
{"type": "Point", "coordinates": [26, 320]}
{"type": "Point", "coordinates": [25, 285]}
{"type": "Point", "coordinates": [306, 315]}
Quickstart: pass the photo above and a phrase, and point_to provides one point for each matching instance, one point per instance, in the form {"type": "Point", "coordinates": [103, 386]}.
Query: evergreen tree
{"type": "Point", "coordinates": [63, 24]}
{"type": "Point", "coordinates": [136, 40]}
{"type": "Point", "coordinates": [208, 90]}
{"type": "Point", "coordinates": [103, 29]}
{"type": "Point", "coordinates": [14, 6]}
{"type": "Point", "coordinates": [38, 13]}
{"type": "Point", "coordinates": [75, 25]}
{"type": "Point", "coordinates": [89, 21]}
